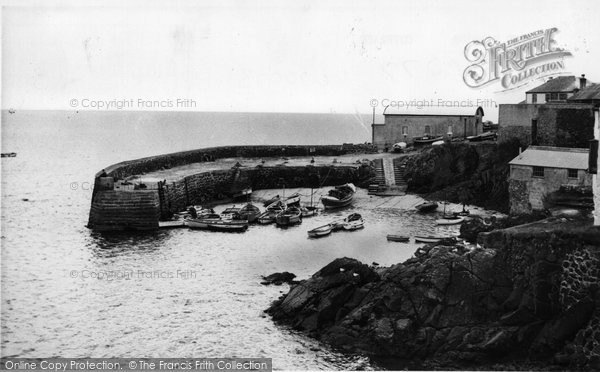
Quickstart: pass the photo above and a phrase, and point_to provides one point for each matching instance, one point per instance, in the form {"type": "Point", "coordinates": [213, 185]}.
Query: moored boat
{"type": "Point", "coordinates": [449, 220]}
{"type": "Point", "coordinates": [249, 212]}
{"type": "Point", "coordinates": [428, 239]}
{"type": "Point", "coordinates": [340, 196]}
{"type": "Point", "coordinates": [354, 221]}
{"type": "Point", "coordinates": [308, 211]}
{"type": "Point", "coordinates": [243, 193]}
{"type": "Point", "coordinates": [271, 201]}
{"type": "Point", "coordinates": [320, 231]}
{"type": "Point", "coordinates": [426, 207]}
{"type": "Point", "coordinates": [398, 238]}
{"type": "Point", "coordinates": [426, 140]}
{"type": "Point", "coordinates": [290, 216]}
{"type": "Point", "coordinates": [486, 136]}
{"type": "Point", "coordinates": [231, 225]}
{"type": "Point", "coordinates": [231, 213]}
{"type": "Point", "coordinates": [8, 154]}
{"type": "Point", "coordinates": [354, 225]}
{"type": "Point", "coordinates": [171, 224]}
{"type": "Point", "coordinates": [272, 211]}
{"type": "Point", "coordinates": [203, 221]}
{"type": "Point", "coordinates": [293, 199]}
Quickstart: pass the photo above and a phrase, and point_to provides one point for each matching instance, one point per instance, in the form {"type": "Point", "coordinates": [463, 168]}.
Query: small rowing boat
{"type": "Point", "coordinates": [450, 220]}
{"type": "Point", "coordinates": [353, 222]}
{"type": "Point", "coordinates": [231, 225]}
{"type": "Point", "coordinates": [426, 140]}
{"type": "Point", "coordinates": [398, 238]}
{"type": "Point", "coordinates": [271, 201]}
{"type": "Point", "coordinates": [428, 239]}
{"type": "Point", "coordinates": [293, 199]}
{"type": "Point", "coordinates": [231, 213]}
{"type": "Point", "coordinates": [309, 211]}
{"type": "Point", "coordinates": [486, 136]}
{"type": "Point", "coordinates": [427, 207]}
{"type": "Point", "coordinates": [202, 221]}
{"type": "Point", "coordinates": [340, 196]}
{"type": "Point", "coordinates": [290, 216]}
{"type": "Point", "coordinates": [243, 193]}
{"type": "Point", "coordinates": [249, 212]}
{"type": "Point", "coordinates": [320, 231]}
{"type": "Point", "coordinates": [272, 211]}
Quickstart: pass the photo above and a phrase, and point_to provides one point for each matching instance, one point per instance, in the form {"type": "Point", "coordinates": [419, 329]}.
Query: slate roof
{"type": "Point", "coordinates": [553, 157]}
{"type": "Point", "coordinates": [591, 92]}
{"type": "Point", "coordinates": [556, 85]}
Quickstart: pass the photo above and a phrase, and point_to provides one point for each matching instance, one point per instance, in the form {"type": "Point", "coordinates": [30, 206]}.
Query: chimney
{"type": "Point", "coordinates": [582, 81]}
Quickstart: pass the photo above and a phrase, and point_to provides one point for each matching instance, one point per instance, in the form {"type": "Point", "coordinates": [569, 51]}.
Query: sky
{"type": "Point", "coordinates": [271, 56]}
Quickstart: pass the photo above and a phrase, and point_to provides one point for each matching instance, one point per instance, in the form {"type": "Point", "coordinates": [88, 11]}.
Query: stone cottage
{"type": "Point", "coordinates": [541, 170]}
{"type": "Point", "coordinates": [556, 113]}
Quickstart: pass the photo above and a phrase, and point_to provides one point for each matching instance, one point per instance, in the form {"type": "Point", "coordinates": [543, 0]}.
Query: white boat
{"type": "Point", "coordinates": [354, 225]}
{"type": "Point", "coordinates": [428, 239]}
{"type": "Point", "coordinates": [292, 199]}
{"type": "Point", "coordinates": [202, 222]}
{"type": "Point", "coordinates": [231, 225]}
{"type": "Point", "coordinates": [450, 220]}
{"type": "Point", "coordinates": [320, 231]}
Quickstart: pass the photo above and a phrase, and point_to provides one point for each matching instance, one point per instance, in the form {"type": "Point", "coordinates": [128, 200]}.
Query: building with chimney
{"type": "Point", "coordinates": [558, 113]}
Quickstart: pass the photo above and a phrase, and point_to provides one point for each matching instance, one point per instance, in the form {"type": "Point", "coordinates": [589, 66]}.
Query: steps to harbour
{"type": "Point", "coordinates": [389, 179]}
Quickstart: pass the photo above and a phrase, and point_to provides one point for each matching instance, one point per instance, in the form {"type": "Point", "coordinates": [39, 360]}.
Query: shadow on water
{"type": "Point", "coordinates": [115, 243]}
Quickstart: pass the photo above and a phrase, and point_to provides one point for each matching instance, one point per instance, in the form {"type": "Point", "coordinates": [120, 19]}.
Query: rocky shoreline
{"type": "Point", "coordinates": [526, 298]}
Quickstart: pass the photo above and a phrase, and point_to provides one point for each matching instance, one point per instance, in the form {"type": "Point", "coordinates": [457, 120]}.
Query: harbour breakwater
{"type": "Point", "coordinates": [529, 299]}
{"type": "Point", "coordinates": [137, 208]}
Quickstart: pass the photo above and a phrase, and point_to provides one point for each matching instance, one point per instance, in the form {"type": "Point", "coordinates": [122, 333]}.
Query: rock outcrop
{"type": "Point", "coordinates": [463, 173]}
{"type": "Point", "coordinates": [525, 301]}
{"type": "Point", "coordinates": [279, 278]}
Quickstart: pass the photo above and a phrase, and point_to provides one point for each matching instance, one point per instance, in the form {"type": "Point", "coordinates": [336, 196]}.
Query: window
{"type": "Point", "coordinates": [534, 98]}
{"type": "Point", "coordinates": [427, 130]}
{"type": "Point", "coordinates": [573, 173]}
{"type": "Point", "coordinates": [538, 172]}
{"type": "Point", "coordinates": [556, 97]}
{"type": "Point", "coordinates": [405, 130]}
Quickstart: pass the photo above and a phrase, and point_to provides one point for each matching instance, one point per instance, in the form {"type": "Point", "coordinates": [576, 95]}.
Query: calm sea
{"type": "Point", "coordinates": [67, 291]}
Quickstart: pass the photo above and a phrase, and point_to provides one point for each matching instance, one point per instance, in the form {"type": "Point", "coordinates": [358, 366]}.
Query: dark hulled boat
{"type": "Point", "coordinates": [290, 216]}
{"type": "Point", "coordinates": [340, 196]}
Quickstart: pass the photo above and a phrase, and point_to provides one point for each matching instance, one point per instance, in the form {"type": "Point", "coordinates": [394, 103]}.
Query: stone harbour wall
{"type": "Point", "coordinates": [199, 188]}
{"type": "Point", "coordinates": [166, 161]}
{"type": "Point", "coordinates": [113, 210]}
{"type": "Point", "coordinates": [141, 209]}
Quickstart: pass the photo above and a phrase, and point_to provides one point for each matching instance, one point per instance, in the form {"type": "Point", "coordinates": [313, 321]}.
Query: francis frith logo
{"type": "Point", "coordinates": [515, 62]}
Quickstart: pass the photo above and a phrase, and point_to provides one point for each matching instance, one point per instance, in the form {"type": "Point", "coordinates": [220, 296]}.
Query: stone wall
{"type": "Point", "coordinates": [124, 210]}
{"type": "Point", "coordinates": [199, 188]}
{"type": "Point", "coordinates": [153, 163]}
{"type": "Point", "coordinates": [559, 124]}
